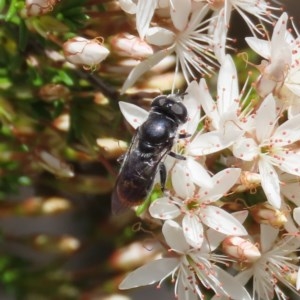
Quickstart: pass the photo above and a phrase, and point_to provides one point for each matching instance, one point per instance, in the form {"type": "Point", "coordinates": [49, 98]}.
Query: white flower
{"type": "Point", "coordinates": [192, 46]}
{"type": "Point", "coordinates": [188, 268]}
{"type": "Point", "coordinates": [81, 51]}
{"type": "Point", "coordinates": [277, 264]}
{"type": "Point", "coordinates": [196, 207]}
{"type": "Point", "coordinates": [279, 58]}
{"type": "Point", "coordinates": [39, 7]}
{"type": "Point", "coordinates": [260, 9]}
{"type": "Point", "coordinates": [269, 146]}
{"type": "Point", "coordinates": [224, 117]}
{"type": "Point", "coordinates": [281, 69]}
{"type": "Point", "coordinates": [220, 21]}
{"type": "Point", "coordinates": [144, 10]}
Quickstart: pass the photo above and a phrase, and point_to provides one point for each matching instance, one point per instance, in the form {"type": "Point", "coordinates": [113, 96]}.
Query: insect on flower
{"type": "Point", "coordinates": [151, 143]}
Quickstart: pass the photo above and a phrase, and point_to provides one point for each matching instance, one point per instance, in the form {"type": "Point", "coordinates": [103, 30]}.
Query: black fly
{"type": "Point", "coordinates": [151, 143]}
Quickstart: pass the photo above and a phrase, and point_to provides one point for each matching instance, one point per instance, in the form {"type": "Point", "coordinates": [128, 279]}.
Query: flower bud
{"type": "Point", "coordinates": [81, 51]}
{"type": "Point", "coordinates": [54, 205]}
{"type": "Point", "coordinates": [126, 44]}
{"type": "Point", "coordinates": [62, 122]}
{"type": "Point", "coordinates": [112, 148]}
{"type": "Point", "coordinates": [39, 7]}
{"type": "Point", "coordinates": [61, 245]}
{"type": "Point", "coordinates": [264, 213]}
{"type": "Point", "coordinates": [241, 249]}
{"type": "Point", "coordinates": [52, 91]}
{"type": "Point", "coordinates": [53, 164]}
{"type": "Point", "coordinates": [248, 181]}
{"type": "Point", "coordinates": [134, 255]}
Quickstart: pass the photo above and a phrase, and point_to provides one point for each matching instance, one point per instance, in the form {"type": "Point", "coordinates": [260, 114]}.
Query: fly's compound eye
{"type": "Point", "coordinates": [159, 101]}
{"type": "Point", "coordinates": [179, 111]}
{"type": "Point", "coordinates": [172, 106]}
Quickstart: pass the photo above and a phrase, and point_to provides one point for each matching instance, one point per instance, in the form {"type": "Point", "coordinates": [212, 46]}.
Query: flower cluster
{"type": "Point", "coordinates": [231, 212]}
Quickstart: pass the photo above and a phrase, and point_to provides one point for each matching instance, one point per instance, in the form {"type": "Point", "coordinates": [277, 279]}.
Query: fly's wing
{"type": "Point", "coordinates": [136, 177]}
{"type": "Point", "coordinates": [118, 204]}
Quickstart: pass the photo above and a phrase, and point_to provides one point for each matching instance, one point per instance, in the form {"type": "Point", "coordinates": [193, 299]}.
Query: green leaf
{"type": "Point", "coordinates": [63, 76]}
{"type": "Point", "coordinates": [2, 5]}
{"type": "Point", "coordinates": [23, 35]}
{"type": "Point", "coordinates": [15, 5]}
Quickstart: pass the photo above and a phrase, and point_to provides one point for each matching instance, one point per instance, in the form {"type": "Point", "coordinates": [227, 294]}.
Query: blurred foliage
{"type": "Point", "coordinates": [57, 234]}
{"type": "Point", "coordinates": [51, 114]}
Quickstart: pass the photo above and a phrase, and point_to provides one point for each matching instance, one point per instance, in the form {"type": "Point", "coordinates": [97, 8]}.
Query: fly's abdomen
{"type": "Point", "coordinates": [133, 184]}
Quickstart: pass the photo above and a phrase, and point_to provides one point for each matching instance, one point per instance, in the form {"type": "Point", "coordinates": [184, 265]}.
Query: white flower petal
{"type": "Point", "coordinates": [214, 238]}
{"type": "Point", "coordinates": [192, 103]}
{"type": "Point", "coordinates": [133, 114]}
{"type": "Point", "coordinates": [267, 237]}
{"type": "Point", "coordinates": [174, 236]}
{"type": "Point", "coordinates": [221, 221]}
{"type": "Point", "coordinates": [128, 6]}
{"type": "Point", "coordinates": [164, 209]}
{"type": "Point", "coordinates": [298, 280]}
{"type": "Point", "coordinates": [290, 225]}
{"type": "Point", "coordinates": [208, 104]}
{"type": "Point", "coordinates": [228, 91]}
{"type": "Point", "coordinates": [270, 182]}
{"type": "Point", "coordinates": [288, 162]}
{"type": "Point", "coordinates": [193, 230]}
{"type": "Point", "coordinates": [241, 216]}
{"type": "Point", "coordinates": [233, 287]}
{"type": "Point", "coordinates": [207, 143]}
{"type": "Point", "coordinates": [279, 32]}
{"type": "Point", "coordinates": [180, 13]}
{"type": "Point", "coordinates": [199, 174]}
{"type": "Point", "coordinates": [288, 132]}
{"type": "Point", "coordinates": [149, 273]}
{"type": "Point", "coordinates": [144, 66]}
{"type": "Point", "coordinates": [261, 47]}
{"type": "Point", "coordinates": [296, 215]}
{"type": "Point", "coordinates": [265, 119]}
{"type": "Point", "coordinates": [219, 36]}
{"type": "Point", "coordinates": [245, 149]}
{"type": "Point", "coordinates": [290, 187]}
{"type": "Point", "coordinates": [222, 182]}
{"type": "Point", "coordinates": [144, 14]}
{"type": "Point", "coordinates": [182, 181]}
{"type": "Point", "coordinates": [160, 36]}
{"type": "Point", "coordinates": [184, 293]}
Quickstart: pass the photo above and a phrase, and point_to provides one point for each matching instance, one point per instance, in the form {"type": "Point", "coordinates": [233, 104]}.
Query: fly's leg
{"type": "Point", "coordinates": [183, 135]}
{"type": "Point", "coordinates": [177, 156]}
{"type": "Point", "coordinates": [163, 176]}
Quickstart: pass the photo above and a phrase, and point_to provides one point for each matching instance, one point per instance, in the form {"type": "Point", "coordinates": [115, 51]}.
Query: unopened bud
{"type": "Point", "coordinates": [53, 205]}
{"type": "Point", "coordinates": [134, 255]}
{"type": "Point", "coordinates": [126, 44]}
{"type": "Point", "coordinates": [241, 249]}
{"type": "Point", "coordinates": [112, 148]}
{"type": "Point", "coordinates": [81, 51]}
{"type": "Point", "coordinates": [61, 245]}
{"type": "Point", "coordinates": [248, 181]}
{"type": "Point", "coordinates": [52, 91]}
{"type": "Point", "coordinates": [39, 7]}
{"type": "Point", "coordinates": [62, 122]}
{"type": "Point", "coordinates": [54, 165]}
{"type": "Point", "coordinates": [68, 244]}
{"type": "Point", "coordinates": [264, 213]}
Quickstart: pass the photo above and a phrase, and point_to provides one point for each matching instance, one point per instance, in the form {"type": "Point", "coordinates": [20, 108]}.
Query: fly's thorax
{"type": "Point", "coordinates": [157, 131]}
